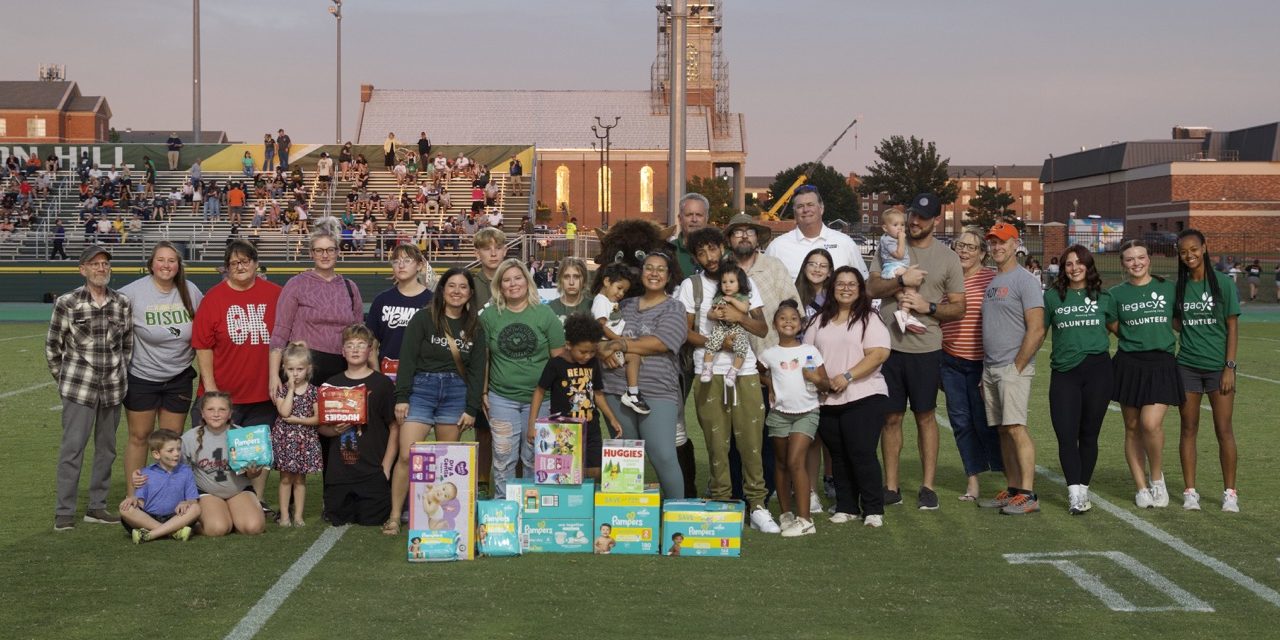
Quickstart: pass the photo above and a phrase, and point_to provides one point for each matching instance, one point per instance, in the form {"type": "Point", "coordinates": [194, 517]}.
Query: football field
{"type": "Point", "coordinates": [956, 572]}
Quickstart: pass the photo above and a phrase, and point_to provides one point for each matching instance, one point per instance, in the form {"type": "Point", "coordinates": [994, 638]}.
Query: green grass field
{"type": "Point", "coordinates": [924, 575]}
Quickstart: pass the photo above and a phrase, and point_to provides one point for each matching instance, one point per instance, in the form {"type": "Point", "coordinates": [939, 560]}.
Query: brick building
{"type": "Point", "coordinates": [1020, 181]}
{"type": "Point", "coordinates": [1224, 183]}
{"type": "Point", "coordinates": [40, 111]}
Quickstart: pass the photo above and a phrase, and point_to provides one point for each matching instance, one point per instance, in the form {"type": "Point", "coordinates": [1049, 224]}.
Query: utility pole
{"type": "Point", "coordinates": [336, 10]}
{"type": "Point", "coordinates": [195, 72]}
{"type": "Point", "coordinates": [676, 147]}
{"type": "Point", "coordinates": [606, 178]}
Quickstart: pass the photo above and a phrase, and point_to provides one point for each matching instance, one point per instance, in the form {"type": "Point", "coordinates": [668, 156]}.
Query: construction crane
{"type": "Point", "coordinates": [778, 205]}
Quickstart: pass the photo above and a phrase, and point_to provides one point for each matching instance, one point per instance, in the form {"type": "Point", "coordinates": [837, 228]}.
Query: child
{"type": "Point", "coordinates": [676, 539]}
{"type": "Point", "coordinates": [294, 441]}
{"type": "Point", "coordinates": [357, 488]}
{"type": "Point", "coordinates": [574, 381]}
{"type": "Point", "coordinates": [168, 504]}
{"type": "Point", "coordinates": [611, 285]}
{"type": "Point", "coordinates": [734, 290]}
{"type": "Point", "coordinates": [604, 542]}
{"type": "Point", "coordinates": [796, 374]}
{"type": "Point", "coordinates": [893, 263]}
{"type": "Point", "coordinates": [227, 500]}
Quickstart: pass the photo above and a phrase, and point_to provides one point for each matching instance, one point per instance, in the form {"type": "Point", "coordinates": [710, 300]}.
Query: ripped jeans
{"type": "Point", "coordinates": [509, 423]}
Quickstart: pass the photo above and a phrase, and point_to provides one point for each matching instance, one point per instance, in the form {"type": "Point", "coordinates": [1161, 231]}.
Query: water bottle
{"type": "Point", "coordinates": [810, 366]}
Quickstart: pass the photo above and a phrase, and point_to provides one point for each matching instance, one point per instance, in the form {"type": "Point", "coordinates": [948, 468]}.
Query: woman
{"type": "Point", "coordinates": [854, 343]}
{"type": "Point", "coordinates": [389, 151]}
{"type": "Point", "coordinates": [392, 309]}
{"type": "Point", "coordinates": [160, 373]}
{"type": "Point", "coordinates": [441, 385]}
{"type": "Point", "coordinates": [1146, 375]}
{"type": "Point", "coordinates": [522, 335]}
{"type": "Point", "coordinates": [1075, 307]}
{"type": "Point", "coordinates": [656, 328]}
{"type": "Point", "coordinates": [247, 164]}
{"type": "Point", "coordinates": [1253, 275]}
{"type": "Point", "coordinates": [815, 271]}
{"type": "Point", "coordinates": [571, 282]}
{"type": "Point", "coordinates": [961, 369]}
{"type": "Point", "coordinates": [314, 307]}
{"type": "Point", "coordinates": [344, 162]}
{"type": "Point", "coordinates": [1206, 310]}
{"type": "Point", "coordinates": [268, 152]}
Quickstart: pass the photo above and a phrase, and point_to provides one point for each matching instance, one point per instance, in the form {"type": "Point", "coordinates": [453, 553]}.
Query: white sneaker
{"type": "Point", "coordinates": [841, 517]}
{"type": "Point", "coordinates": [1230, 501]}
{"type": "Point", "coordinates": [874, 521]}
{"type": "Point", "coordinates": [1144, 500]}
{"type": "Point", "coordinates": [801, 527]}
{"type": "Point", "coordinates": [1159, 494]}
{"type": "Point", "coordinates": [1191, 500]}
{"type": "Point", "coordinates": [1073, 499]}
{"type": "Point", "coordinates": [815, 504]}
{"type": "Point", "coordinates": [762, 521]}
{"type": "Point", "coordinates": [786, 521]}
{"type": "Point", "coordinates": [1084, 504]}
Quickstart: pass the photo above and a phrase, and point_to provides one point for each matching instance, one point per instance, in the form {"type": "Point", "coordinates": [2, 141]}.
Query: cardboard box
{"type": "Point", "coordinates": [702, 528]}
{"type": "Point", "coordinates": [432, 546]}
{"type": "Point", "coordinates": [633, 520]}
{"type": "Point", "coordinates": [553, 501]}
{"type": "Point", "coordinates": [247, 446]}
{"type": "Point", "coordinates": [557, 452]}
{"type": "Point", "coordinates": [442, 493]}
{"type": "Point", "coordinates": [340, 405]}
{"type": "Point", "coordinates": [622, 469]}
{"type": "Point", "coordinates": [562, 535]}
{"type": "Point", "coordinates": [498, 528]}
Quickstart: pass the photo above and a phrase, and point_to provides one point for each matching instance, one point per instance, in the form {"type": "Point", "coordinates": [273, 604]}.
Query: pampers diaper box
{"type": "Point", "coordinates": [568, 535]}
{"type": "Point", "coordinates": [631, 520]}
{"type": "Point", "coordinates": [557, 518]}
{"type": "Point", "coordinates": [702, 528]}
{"type": "Point", "coordinates": [557, 452]}
{"type": "Point", "coordinates": [623, 466]}
{"type": "Point", "coordinates": [442, 499]}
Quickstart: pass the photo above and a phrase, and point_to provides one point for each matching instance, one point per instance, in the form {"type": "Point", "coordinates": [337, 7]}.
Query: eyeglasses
{"type": "Point", "coordinates": [100, 264]}
{"type": "Point", "coordinates": [235, 264]}
{"type": "Point", "coordinates": [324, 251]}
{"type": "Point", "coordinates": [965, 246]}
{"type": "Point", "coordinates": [743, 231]}
{"type": "Point", "coordinates": [846, 285]}
{"type": "Point", "coordinates": [818, 265]}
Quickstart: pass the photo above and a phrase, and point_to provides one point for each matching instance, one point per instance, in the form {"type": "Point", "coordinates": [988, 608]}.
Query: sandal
{"type": "Point", "coordinates": [391, 527]}
{"type": "Point", "coordinates": [964, 497]}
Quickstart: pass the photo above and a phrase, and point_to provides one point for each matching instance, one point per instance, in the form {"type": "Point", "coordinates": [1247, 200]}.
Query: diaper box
{"type": "Point", "coordinates": [702, 528]}
{"type": "Point", "coordinates": [628, 523]}
{"type": "Point", "coordinates": [553, 501]}
{"type": "Point", "coordinates": [557, 452]}
{"type": "Point", "coordinates": [622, 469]}
{"type": "Point", "coordinates": [563, 535]}
{"type": "Point", "coordinates": [442, 495]}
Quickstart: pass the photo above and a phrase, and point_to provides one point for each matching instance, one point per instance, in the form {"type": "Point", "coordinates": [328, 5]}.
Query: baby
{"type": "Point", "coordinates": [604, 542]}
{"type": "Point", "coordinates": [440, 503]}
{"type": "Point", "coordinates": [893, 263]}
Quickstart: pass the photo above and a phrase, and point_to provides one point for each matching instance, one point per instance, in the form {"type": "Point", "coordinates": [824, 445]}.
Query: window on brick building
{"type": "Point", "coordinates": [35, 128]}
{"type": "Point", "coordinates": [875, 196]}
{"type": "Point", "coordinates": [866, 219]}
{"type": "Point", "coordinates": [1026, 185]}
{"type": "Point", "coordinates": [1180, 225]}
{"type": "Point", "coordinates": [964, 184]}
{"type": "Point", "coordinates": [646, 189]}
{"type": "Point", "coordinates": [4, 128]}
{"type": "Point", "coordinates": [875, 207]}
{"type": "Point", "coordinates": [562, 188]}
{"type": "Point", "coordinates": [1026, 199]}
{"type": "Point", "coordinates": [604, 188]}
{"type": "Point", "coordinates": [964, 200]}
{"type": "Point", "coordinates": [866, 206]}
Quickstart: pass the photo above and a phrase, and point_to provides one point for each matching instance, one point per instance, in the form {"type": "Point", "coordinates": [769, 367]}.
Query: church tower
{"type": "Point", "coordinates": [707, 72]}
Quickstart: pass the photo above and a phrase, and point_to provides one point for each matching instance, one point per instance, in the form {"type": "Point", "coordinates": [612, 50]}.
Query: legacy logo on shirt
{"type": "Point", "coordinates": [1156, 303]}
{"type": "Point", "coordinates": [397, 317]}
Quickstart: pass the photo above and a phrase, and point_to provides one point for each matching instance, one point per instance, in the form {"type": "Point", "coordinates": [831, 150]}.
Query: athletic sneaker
{"type": "Point", "coordinates": [636, 402]}
{"type": "Point", "coordinates": [64, 523]}
{"type": "Point", "coordinates": [841, 517]}
{"type": "Point", "coordinates": [183, 534]}
{"type": "Point", "coordinates": [874, 522]}
{"type": "Point", "coordinates": [269, 513]}
{"type": "Point", "coordinates": [829, 486]}
{"type": "Point", "coordinates": [1144, 500]}
{"type": "Point", "coordinates": [1191, 500]}
{"type": "Point", "coordinates": [1230, 501]}
{"type": "Point", "coordinates": [786, 521]}
{"type": "Point", "coordinates": [927, 499]}
{"type": "Point", "coordinates": [997, 502]}
{"type": "Point", "coordinates": [1079, 499]}
{"type": "Point", "coordinates": [815, 503]}
{"type": "Point", "coordinates": [892, 497]}
{"type": "Point", "coordinates": [1159, 494]}
{"type": "Point", "coordinates": [1085, 504]}
{"type": "Point", "coordinates": [140, 536]}
{"type": "Point", "coordinates": [1021, 504]}
{"type": "Point", "coordinates": [801, 527]}
{"type": "Point", "coordinates": [101, 516]}
{"type": "Point", "coordinates": [762, 521]}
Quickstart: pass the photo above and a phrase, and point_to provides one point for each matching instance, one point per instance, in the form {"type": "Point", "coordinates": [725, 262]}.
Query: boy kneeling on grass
{"type": "Point", "coordinates": [168, 504]}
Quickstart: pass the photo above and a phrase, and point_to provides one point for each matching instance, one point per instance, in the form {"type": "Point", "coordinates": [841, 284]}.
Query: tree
{"type": "Point", "coordinates": [908, 167]}
{"type": "Point", "coordinates": [991, 205]}
{"type": "Point", "coordinates": [839, 201]}
{"type": "Point", "coordinates": [719, 192]}
{"type": "Point", "coordinates": [113, 135]}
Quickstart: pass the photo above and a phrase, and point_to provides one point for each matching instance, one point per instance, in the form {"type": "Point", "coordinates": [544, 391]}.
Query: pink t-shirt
{"type": "Point", "coordinates": [843, 347]}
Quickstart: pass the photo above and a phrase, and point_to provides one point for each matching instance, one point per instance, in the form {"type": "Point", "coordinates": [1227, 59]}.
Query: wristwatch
{"type": "Point", "coordinates": [1231, 364]}
{"type": "Point", "coordinates": [933, 308]}
{"type": "Point", "coordinates": [848, 377]}
{"type": "Point", "coordinates": [901, 283]}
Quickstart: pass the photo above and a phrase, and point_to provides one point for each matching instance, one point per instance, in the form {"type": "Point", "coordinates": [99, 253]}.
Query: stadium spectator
{"type": "Point", "coordinates": [324, 170]}
{"type": "Point", "coordinates": [174, 144]}
{"type": "Point", "coordinates": [247, 165]}
{"type": "Point", "coordinates": [283, 145]}
{"type": "Point", "coordinates": [235, 202]}
{"type": "Point", "coordinates": [424, 146]}
{"type": "Point", "coordinates": [389, 147]}
{"type": "Point", "coordinates": [59, 250]}
{"type": "Point", "coordinates": [345, 162]}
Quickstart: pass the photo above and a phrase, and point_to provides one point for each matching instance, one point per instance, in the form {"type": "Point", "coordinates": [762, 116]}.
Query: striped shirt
{"type": "Point", "coordinates": [88, 347]}
{"type": "Point", "coordinates": [963, 338]}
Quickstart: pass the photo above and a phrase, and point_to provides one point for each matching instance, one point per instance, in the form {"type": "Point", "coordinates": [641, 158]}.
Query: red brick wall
{"type": "Point", "coordinates": [584, 189]}
{"type": "Point", "coordinates": [58, 127]}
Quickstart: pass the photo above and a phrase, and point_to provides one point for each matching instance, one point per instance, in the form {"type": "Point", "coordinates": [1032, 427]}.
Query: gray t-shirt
{"type": "Point", "coordinates": [945, 277]}
{"type": "Point", "coordinates": [161, 330]}
{"type": "Point", "coordinates": [659, 374]}
{"type": "Point", "coordinates": [1004, 314]}
{"type": "Point", "coordinates": [888, 245]}
{"type": "Point", "coordinates": [206, 452]}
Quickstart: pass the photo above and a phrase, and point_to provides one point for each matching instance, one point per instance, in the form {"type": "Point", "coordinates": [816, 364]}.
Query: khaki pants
{"type": "Point", "coordinates": [744, 423]}
{"type": "Point", "coordinates": [173, 160]}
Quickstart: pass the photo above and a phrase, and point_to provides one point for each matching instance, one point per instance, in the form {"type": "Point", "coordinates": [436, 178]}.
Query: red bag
{"type": "Point", "coordinates": [340, 405]}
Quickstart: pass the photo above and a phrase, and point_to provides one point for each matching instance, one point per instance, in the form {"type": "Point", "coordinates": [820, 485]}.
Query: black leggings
{"type": "Point", "coordinates": [852, 432]}
{"type": "Point", "coordinates": [1077, 404]}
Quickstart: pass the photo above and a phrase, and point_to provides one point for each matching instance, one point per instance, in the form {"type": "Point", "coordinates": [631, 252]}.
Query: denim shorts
{"type": "Point", "coordinates": [437, 398]}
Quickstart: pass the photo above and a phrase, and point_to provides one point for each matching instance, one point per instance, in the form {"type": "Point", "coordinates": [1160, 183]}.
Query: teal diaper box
{"type": "Point", "coordinates": [560, 535]}
{"type": "Point", "coordinates": [553, 501]}
{"type": "Point", "coordinates": [628, 523]}
{"type": "Point", "coordinates": [702, 528]}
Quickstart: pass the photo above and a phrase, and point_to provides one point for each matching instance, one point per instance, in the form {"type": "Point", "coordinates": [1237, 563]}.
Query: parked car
{"type": "Point", "coordinates": [1161, 243]}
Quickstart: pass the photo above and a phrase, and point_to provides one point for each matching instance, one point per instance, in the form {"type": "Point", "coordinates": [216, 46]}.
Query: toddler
{"type": "Point", "coordinates": [612, 284]}
{"type": "Point", "coordinates": [294, 440]}
{"type": "Point", "coordinates": [893, 263]}
{"type": "Point", "coordinates": [734, 290]}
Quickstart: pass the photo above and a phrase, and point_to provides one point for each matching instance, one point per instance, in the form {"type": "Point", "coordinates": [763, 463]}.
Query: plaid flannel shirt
{"type": "Point", "coordinates": [88, 347]}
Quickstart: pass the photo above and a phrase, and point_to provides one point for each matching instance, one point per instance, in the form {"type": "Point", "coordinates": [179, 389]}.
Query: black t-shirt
{"type": "Point", "coordinates": [424, 147]}
{"type": "Point", "coordinates": [571, 388]}
{"type": "Point", "coordinates": [174, 144]}
{"type": "Point", "coordinates": [356, 455]}
{"type": "Point", "coordinates": [1253, 271]}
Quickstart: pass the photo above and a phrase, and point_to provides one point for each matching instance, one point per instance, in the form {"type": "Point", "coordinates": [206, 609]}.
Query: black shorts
{"type": "Point", "coordinates": [592, 457]}
{"type": "Point", "coordinates": [477, 206]}
{"type": "Point", "coordinates": [914, 377]}
{"type": "Point", "coordinates": [326, 179]}
{"type": "Point", "coordinates": [173, 395]}
{"type": "Point", "coordinates": [367, 502]}
{"type": "Point", "coordinates": [161, 519]}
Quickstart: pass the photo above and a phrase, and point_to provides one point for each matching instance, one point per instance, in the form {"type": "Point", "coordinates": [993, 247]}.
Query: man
{"type": "Point", "coordinates": [59, 250]}
{"type": "Point", "coordinates": [283, 144]}
{"type": "Point", "coordinates": [424, 147]}
{"type": "Point", "coordinates": [912, 370]}
{"type": "Point", "coordinates": [196, 173]}
{"type": "Point", "coordinates": [810, 233]}
{"type": "Point", "coordinates": [88, 347]}
{"type": "Point", "coordinates": [692, 216]}
{"type": "Point", "coordinates": [175, 150]}
{"type": "Point", "coordinates": [1012, 330]}
{"type": "Point", "coordinates": [491, 249]}
{"type": "Point", "coordinates": [729, 410]}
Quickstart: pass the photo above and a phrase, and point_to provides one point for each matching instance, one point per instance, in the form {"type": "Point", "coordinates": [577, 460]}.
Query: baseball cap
{"type": "Point", "coordinates": [925, 205]}
{"type": "Point", "coordinates": [91, 251]}
{"type": "Point", "coordinates": [1003, 232]}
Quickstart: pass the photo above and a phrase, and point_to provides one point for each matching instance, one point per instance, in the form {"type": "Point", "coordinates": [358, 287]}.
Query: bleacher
{"type": "Point", "coordinates": [205, 241]}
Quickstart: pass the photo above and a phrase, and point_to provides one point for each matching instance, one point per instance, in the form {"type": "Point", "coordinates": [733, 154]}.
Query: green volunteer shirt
{"type": "Point", "coordinates": [1202, 343]}
{"type": "Point", "coordinates": [1078, 324]}
{"type": "Point", "coordinates": [563, 310]}
{"type": "Point", "coordinates": [520, 344]}
{"type": "Point", "coordinates": [1145, 315]}
{"type": "Point", "coordinates": [484, 289]}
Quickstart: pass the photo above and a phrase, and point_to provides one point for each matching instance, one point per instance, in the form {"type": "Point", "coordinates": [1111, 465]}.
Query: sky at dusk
{"type": "Point", "coordinates": [994, 82]}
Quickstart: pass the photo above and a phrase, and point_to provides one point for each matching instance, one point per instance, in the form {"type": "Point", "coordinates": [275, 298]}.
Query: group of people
{"type": "Point", "coordinates": [777, 343]}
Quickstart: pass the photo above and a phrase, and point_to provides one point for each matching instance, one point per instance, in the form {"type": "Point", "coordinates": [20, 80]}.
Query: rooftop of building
{"type": "Point", "coordinates": [1259, 143]}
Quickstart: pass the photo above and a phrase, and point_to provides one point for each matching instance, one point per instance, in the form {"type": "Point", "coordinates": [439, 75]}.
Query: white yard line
{"type": "Point", "coordinates": [34, 335]}
{"type": "Point", "coordinates": [1217, 566]}
{"type": "Point", "coordinates": [253, 621]}
{"type": "Point", "coordinates": [15, 392]}
{"type": "Point", "coordinates": [1253, 377]}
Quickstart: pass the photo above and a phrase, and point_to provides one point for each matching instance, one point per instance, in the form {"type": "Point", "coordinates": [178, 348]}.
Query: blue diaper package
{"type": "Point", "coordinates": [498, 528]}
{"type": "Point", "coordinates": [426, 545]}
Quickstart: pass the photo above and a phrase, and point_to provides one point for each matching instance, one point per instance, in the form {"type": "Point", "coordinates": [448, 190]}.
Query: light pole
{"type": "Point", "coordinates": [336, 11]}
{"type": "Point", "coordinates": [195, 71]}
{"type": "Point", "coordinates": [606, 180]}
